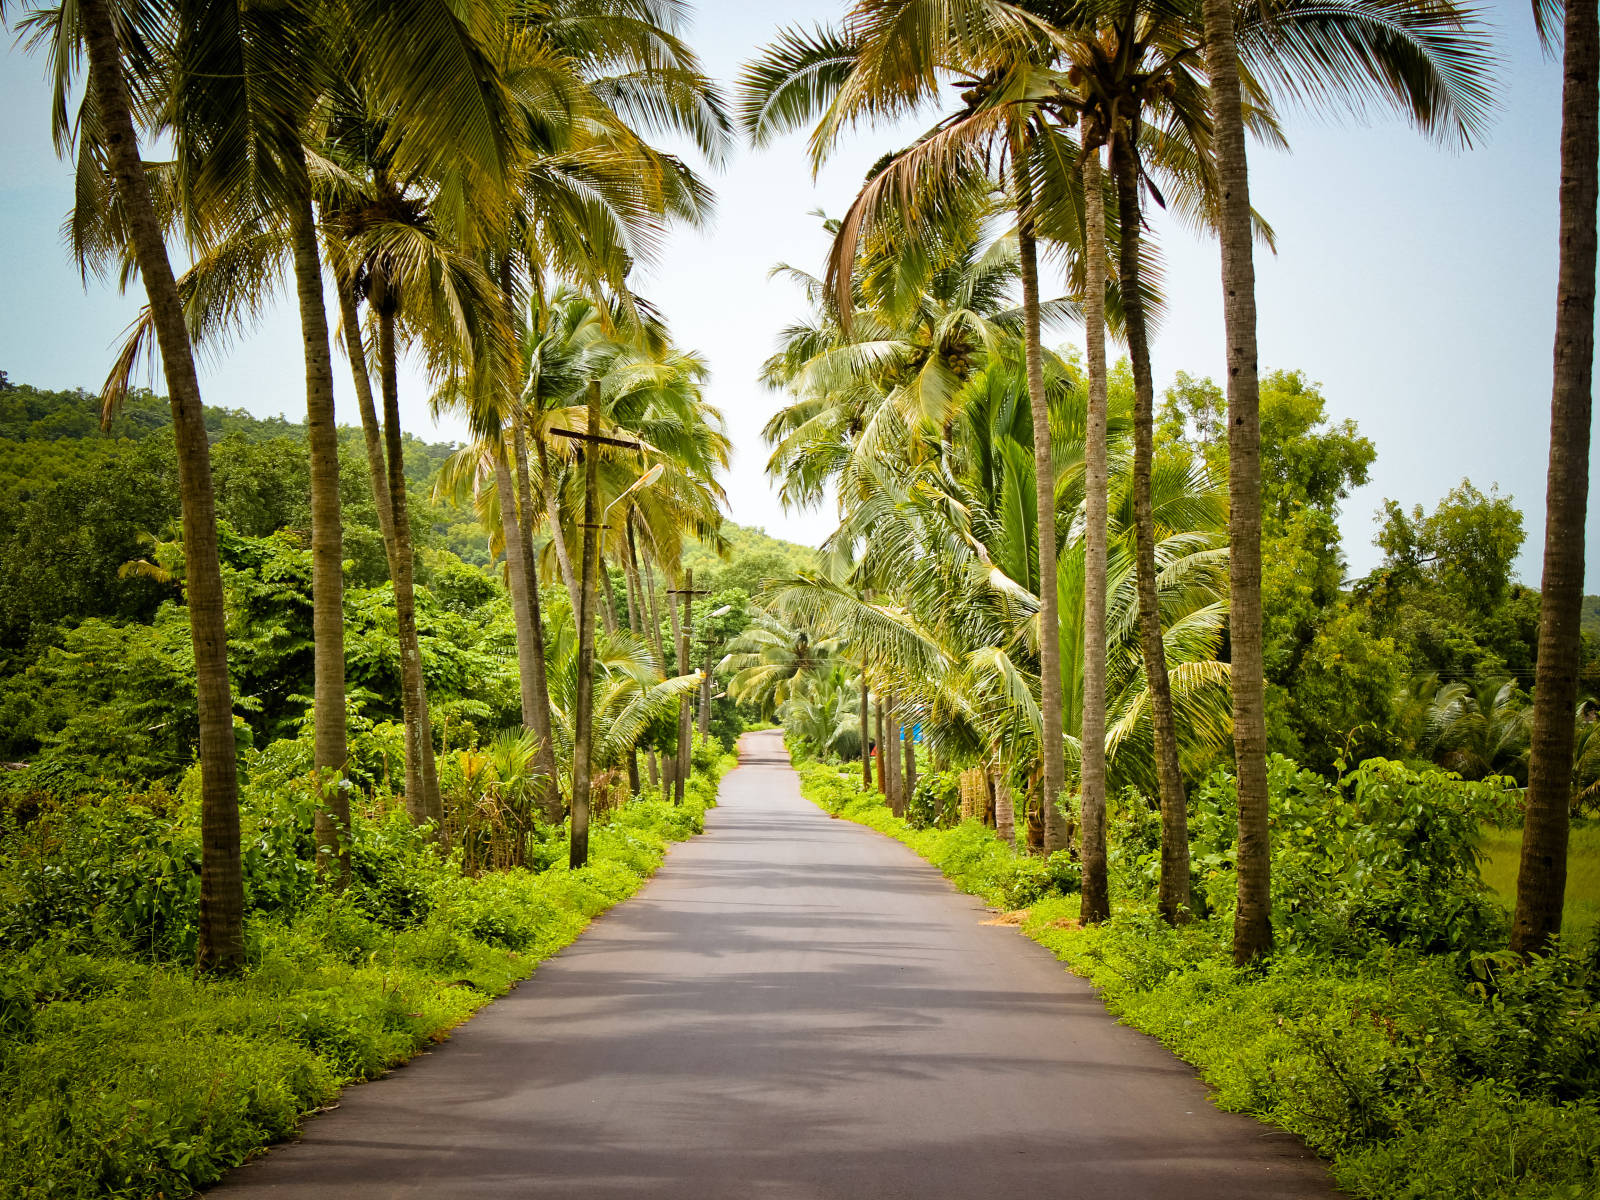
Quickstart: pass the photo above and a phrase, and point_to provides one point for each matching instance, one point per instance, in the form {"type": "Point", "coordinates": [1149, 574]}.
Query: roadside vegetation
{"type": "Point", "coordinates": [1389, 1029]}
{"type": "Point", "coordinates": [316, 737]}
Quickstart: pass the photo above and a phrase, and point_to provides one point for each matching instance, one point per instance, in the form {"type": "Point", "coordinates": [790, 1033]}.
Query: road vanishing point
{"type": "Point", "coordinates": [793, 1008]}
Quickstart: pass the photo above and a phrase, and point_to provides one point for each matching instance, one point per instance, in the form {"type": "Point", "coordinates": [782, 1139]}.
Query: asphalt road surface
{"type": "Point", "coordinates": [794, 1008]}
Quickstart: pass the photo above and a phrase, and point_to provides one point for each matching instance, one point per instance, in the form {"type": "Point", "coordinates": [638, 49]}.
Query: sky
{"type": "Point", "coordinates": [1415, 283]}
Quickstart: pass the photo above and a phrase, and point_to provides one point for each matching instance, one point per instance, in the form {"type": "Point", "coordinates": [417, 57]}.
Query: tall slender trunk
{"type": "Point", "coordinates": [524, 507]}
{"type": "Point", "coordinates": [331, 753]}
{"type": "Point", "coordinates": [1174, 891]}
{"type": "Point", "coordinates": [889, 754]}
{"type": "Point", "coordinates": [371, 431]}
{"type": "Point", "coordinates": [1053, 749]}
{"type": "Point", "coordinates": [685, 727]}
{"type": "Point", "coordinates": [866, 726]}
{"type": "Point", "coordinates": [647, 587]}
{"type": "Point", "coordinates": [582, 733]}
{"type": "Point", "coordinates": [630, 579]}
{"type": "Point", "coordinates": [531, 682]}
{"type": "Point", "coordinates": [909, 734]}
{"type": "Point", "coordinates": [1252, 926]}
{"type": "Point", "coordinates": [1005, 809]}
{"type": "Point", "coordinates": [1542, 876]}
{"type": "Point", "coordinates": [608, 602]}
{"type": "Point", "coordinates": [221, 932]}
{"type": "Point", "coordinates": [883, 769]}
{"type": "Point", "coordinates": [517, 582]}
{"type": "Point", "coordinates": [1096, 904]}
{"type": "Point", "coordinates": [654, 615]}
{"type": "Point", "coordinates": [703, 721]}
{"type": "Point", "coordinates": [422, 788]}
{"type": "Point", "coordinates": [558, 537]}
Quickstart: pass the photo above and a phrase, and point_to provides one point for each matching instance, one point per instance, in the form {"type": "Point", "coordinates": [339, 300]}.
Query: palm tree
{"type": "Point", "coordinates": [1542, 875]}
{"type": "Point", "coordinates": [1349, 49]}
{"type": "Point", "coordinates": [111, 142]}
{"type": "Point", "coordinates": [873, 69]}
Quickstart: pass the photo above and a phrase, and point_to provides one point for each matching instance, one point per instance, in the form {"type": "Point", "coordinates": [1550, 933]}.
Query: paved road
{"type": "Point", "coordinates": [795, 1008]}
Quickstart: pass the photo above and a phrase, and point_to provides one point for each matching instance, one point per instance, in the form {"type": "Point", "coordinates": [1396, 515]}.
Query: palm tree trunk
{"type": "Point", "coordinates": [889, 754]}
{"type": "Point", "coordinates": [523, 507]}
{"type": "Point", "coordinates": [1252, 926]}
{"type": "Point", "coordinates": [584, 717]}
{"type": "Point", "coordinates": [422, 789]}
{"type": "Point", "coordinates": [866, 727]}
{"type": "Point", "coordinates": [558, 539]}
{"type": "Point", "coordinates": [1096, 904]}
{"type": "Point", "coordinates": [883, 769]}
{"type": "Point", "coordinates": [630, 580]}
{"type": "Point", "coordinates": [517, 581]}
{"type": "Point", "coordinates": [909, 734]}
{"type": "Point", "coordinates": [1542, 876]}
{"type": "Point", "coordinates": [703, 722]}
{"type": "Point", "coordinates": [608, 602]}
{"type": "Point", "coordinates": [1053, 749]}
{"type": "Point", "coordinates": [685, 726]}
{"type": "Point", "coordinates": [371, 431]}
{"type": "Point", "coordinates": [1005, 809]}
{"type": "Point", "coordinates": [1174, 891]}
{"type": "Point", "coordinates": [221, 933]}
{"type": "Point", "coordinates": [531, 680]}
{"type": "Point", "coordinates": [331, 751]}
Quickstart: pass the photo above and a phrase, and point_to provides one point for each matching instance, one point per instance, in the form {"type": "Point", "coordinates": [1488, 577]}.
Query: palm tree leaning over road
{"type": "Point", "coordinates": [109, 139]}
{"type": "Point", "coordinates": [1541, 878]}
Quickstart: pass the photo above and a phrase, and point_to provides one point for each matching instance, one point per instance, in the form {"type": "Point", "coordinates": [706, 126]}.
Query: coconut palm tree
{"type": "Point", "coordinates": [105, 128]}
{"type": "Point", "coordinates": [889, 58]}
{"type": "Point", "coordinates": [1355, 52]}
{"type": "Point", "coordinates": [1541, 877]}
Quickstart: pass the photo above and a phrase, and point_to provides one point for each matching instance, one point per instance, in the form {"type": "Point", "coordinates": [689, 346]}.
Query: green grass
{"type": "Point", "coordinates": [125, 1075]}
{"type": "Point", "coordinates": [1582, 914]}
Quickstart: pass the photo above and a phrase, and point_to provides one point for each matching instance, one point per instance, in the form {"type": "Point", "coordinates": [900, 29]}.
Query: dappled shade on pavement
{"type": "Point", "coordinates": [795, 1007]}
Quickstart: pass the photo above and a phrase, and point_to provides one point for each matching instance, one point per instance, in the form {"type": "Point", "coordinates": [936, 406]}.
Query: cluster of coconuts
{"type": "Point", "coordinates": [959, 360]}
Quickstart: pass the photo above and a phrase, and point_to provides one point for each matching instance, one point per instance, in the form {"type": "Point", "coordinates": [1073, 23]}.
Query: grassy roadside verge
{"type": "Point", "coordinates": [1416, 1075]}
{"type": "Point", "coordinates": [124, 1075]}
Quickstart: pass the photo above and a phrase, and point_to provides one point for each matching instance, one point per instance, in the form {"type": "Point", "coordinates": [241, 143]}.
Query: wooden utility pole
{"type": "Point", "coordinates": [583, 723]}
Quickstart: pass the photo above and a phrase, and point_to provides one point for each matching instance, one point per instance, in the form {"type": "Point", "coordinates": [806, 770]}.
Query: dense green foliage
{"type": "Point", "coordinates": [122, 1074]}
{"type": "Point", "coordinates": [1388, 1030]}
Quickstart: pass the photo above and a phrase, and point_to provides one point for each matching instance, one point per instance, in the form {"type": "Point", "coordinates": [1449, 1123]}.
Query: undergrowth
{"type": "Point", "coordinates": [122, 1074]}
{"type": "Point", "coordinates": [1422, 1064]}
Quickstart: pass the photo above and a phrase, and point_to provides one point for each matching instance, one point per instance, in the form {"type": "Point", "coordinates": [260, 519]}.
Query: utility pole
{"type": "Point", "coordinates": [583, 723]}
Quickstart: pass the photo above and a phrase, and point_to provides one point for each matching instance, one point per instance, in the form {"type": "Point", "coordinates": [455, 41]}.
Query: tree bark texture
{"type": "Point", "coordinates": [685, 724]}
{"type": "Point", "coordinates": [221, 933]}
{"type": "Point", "coordinates": [582, 734]}
{"type": "Point", "coordinates": [422, 787]}
{"type": "Point", "coordinates": [1252, 927]}
{"type": "Point", "coordinates": [1053, 749]}
{"type": "Point", "coordinates": [1542, 875]}
{"type": "Point", "coordinates": [1174, 892]}
{"type": "Point", "coordinates": [866, 730]}
{"type": "Point", "coordinates": [1096, 899]}
{"type": "Point", "coordinates": [330, 754]}
{"type": "Point", "coordinates": [371, 430]}
{"type": "Point", "coordinates": [524, 507]}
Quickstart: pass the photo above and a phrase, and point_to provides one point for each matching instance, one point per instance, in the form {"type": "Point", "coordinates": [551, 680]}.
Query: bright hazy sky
{"type": "Point", "coordinates": [1416, 284]}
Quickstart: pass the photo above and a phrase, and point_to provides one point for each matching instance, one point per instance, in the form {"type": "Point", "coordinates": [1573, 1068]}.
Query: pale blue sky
{"type": "Point", "coordinates": [1416, 284]}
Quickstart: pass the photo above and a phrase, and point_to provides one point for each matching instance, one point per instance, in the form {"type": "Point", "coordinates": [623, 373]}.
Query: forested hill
{"type": "Point", "coordinates": [29, 414]}
{"type": "Point", "coordinates": [78, 505]}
